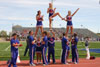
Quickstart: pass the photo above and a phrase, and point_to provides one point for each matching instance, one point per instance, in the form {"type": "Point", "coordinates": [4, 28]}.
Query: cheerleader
{"type": "Point", "coordinates": [52, 14]}
{"type": "Point", "coordinates": [38, 50]}
{"type": "Point", "coordinates": [51, 46]}
{"type": "Point", "coordinates": [74, 43]}
{"type": "Point", "coordinates": [69, 21]}
{"type": "Point", "coordinates": [39, 24]}
{"type": "Point", "coordinates": [44, 48]}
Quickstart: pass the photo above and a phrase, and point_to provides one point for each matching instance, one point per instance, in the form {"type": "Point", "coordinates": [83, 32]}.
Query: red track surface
{"type": "Point", "coordinates": [82, 63]}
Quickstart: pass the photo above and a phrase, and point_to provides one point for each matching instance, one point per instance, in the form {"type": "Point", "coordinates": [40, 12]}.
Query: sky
{"type": "Point", "coordinates": [23, 12]}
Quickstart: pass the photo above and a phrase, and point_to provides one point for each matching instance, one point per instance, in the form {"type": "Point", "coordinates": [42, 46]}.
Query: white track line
{"type": "Point", "coordinates": [7, 48]}
{"type": "Point", "coordinates": [61, 55]}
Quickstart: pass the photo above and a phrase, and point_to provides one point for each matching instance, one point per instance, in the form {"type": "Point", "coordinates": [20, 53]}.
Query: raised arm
{"type": "Point", "coordinates": [54, 10]}
{"type": "Point", "coordinates": [48, 10]}
{"type": "Point", "coordinates": [75, 12]}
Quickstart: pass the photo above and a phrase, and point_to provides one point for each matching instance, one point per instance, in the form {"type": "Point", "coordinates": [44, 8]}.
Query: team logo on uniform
{"type": "Point", "coordinates": [51, 11]}
{"type": "Point", "coordinates": [51, 39]}
{"type": "Point", "coordinates": [38, 44]}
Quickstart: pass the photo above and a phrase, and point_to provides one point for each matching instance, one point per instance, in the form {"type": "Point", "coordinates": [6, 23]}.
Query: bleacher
{"type": "Point", "coordinates": [82, 33]}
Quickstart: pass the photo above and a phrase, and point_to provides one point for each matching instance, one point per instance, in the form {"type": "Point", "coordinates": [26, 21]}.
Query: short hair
{"type": "Point", "coordinates": [38, 12]}
{"type": "Point", "coordinates": [45, 32]}
{"type": "Point", "coordinates": [14, 34]}
{"type": "Point", "coordinates": [30, 32]}
{"type": "Point", "coordinates": [64, 34]}
{"type": "Point", "coordinates": [75, 34]}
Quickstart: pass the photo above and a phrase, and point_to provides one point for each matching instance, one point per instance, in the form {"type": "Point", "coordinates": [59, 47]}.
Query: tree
{"type": "Point", "coordinates": [3, 33]}
{"type": "Point", "coordinates": [98, 34]}
{"type": "Point", "coordinates": [10, 34]}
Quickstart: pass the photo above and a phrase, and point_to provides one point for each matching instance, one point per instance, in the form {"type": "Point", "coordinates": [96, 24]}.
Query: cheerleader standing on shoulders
{"type": "Point", "coordinates": [69, 21]}
{"type": "Point", "coordinates": [39, 24]}
{"type": "Point", "coordinates": [52, 14]}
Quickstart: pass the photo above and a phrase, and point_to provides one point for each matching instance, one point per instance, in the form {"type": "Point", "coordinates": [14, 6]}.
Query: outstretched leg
{"type": "Point", "coordinates": [55, 14]}
{"type": "Point", "coordinates": [50, 19]}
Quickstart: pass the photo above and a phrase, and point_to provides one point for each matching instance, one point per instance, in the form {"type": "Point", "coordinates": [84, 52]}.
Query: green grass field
{"type": "Point", "coordinates": [5, 50]}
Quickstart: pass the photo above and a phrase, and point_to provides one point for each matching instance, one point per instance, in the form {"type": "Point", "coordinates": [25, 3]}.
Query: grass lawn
{"type": "Point", "coordinates": [5, 50]}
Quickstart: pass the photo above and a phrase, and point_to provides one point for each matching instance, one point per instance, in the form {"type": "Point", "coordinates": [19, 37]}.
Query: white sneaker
{"type": "Point", "coordinates": [66, 63]}
{"type": "Point", "coordinates": [32, 64]}
{"type": "Point", "coordinates": [44, 64]}
{"type": "Point", "coordinates": [75, 63]}
{"type": "Point", "coordinates": [87, 58]}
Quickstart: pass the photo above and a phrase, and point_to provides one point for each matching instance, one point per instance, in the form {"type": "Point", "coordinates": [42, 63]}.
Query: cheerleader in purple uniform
{"type": "Point", "coordinates": [39, 24]}
{"type": "Point", "coordinates": [38, 50]}
{"type": "Point", "coordinates": [52, 14]}
{"type": "Point", "coordinates": [69, 21]}
{"type": "Point", "coordinates": [74, 50]}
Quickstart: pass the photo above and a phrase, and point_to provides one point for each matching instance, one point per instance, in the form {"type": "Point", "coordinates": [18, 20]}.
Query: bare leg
{"type": "Point", "coordinates": [37, 28]}
{"type": "Point", "coordinates": [68, 55]}
{"type": "Point", "coordinates": [55, 14]}
{"type": "Point", "coordinates": [67, 30]}
{"type": "Point", "coordinates": [37, 57]}
{"type": "Point", "coordinates": [40, 57]}
{"type": "Point", "coordinates": [71, 30]}
{"type": "Point", "coordinates": [41, 28]}
{"type": "Point", "coordinates": [50, 21]}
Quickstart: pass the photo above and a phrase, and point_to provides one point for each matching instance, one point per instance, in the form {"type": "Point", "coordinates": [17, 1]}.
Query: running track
{"type": "Point", "coordinates": [82, 63]}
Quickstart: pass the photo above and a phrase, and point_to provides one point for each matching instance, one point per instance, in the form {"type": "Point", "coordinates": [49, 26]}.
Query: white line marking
{"type": "Point", "coordinates": [7, 48]}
